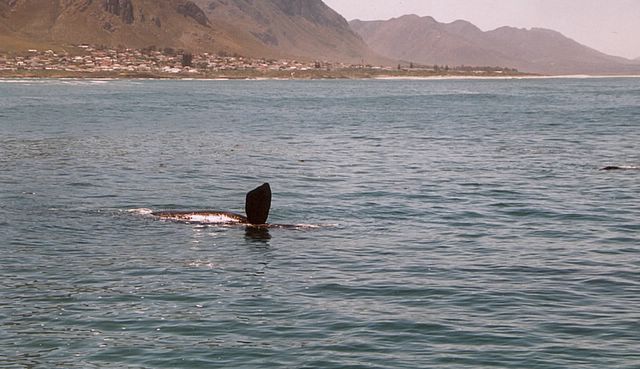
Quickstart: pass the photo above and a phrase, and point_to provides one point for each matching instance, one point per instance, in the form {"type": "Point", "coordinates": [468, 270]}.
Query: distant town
{"type": "Point", "coordinates": [92, 61]}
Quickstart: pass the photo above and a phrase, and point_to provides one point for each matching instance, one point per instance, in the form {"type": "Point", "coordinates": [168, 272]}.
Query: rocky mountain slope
{"type": "Point", "coordinates": [293, 27]}
{"type": "Point", "coordinates": [265, 28]}
{"type": "Point", "coordinates": [424, 40]}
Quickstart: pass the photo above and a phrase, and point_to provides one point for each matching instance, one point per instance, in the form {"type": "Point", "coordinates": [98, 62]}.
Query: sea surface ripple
{"type": "Point", "coordinates": [461, 224]}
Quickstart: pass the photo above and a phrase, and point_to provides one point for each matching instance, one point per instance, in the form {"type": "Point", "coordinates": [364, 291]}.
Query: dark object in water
{"type": "Point", "coordinates": [257, 206]}
{"type": "Point", "coordinates": [618, 167]}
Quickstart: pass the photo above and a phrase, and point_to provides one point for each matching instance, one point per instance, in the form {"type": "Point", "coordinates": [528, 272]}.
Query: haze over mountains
{"type": "Point", "coordinates": [293, 29]}
{"type": "Point", "coordinates": [424, 40]}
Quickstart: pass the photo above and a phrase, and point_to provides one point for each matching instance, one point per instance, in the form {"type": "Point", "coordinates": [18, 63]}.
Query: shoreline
{"type": "Point", "coordinates": [93, 62]}
{"type": "Point", "coordinates": [344, 74]}
{"type": "Point", "coordinates": [568, 76]}
{"type": "Point", "coordinates": [313, 75]}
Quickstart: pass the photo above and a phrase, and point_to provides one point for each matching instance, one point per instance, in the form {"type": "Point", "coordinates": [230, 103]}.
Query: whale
{"type": "Point", "coordinates": [257, 206]}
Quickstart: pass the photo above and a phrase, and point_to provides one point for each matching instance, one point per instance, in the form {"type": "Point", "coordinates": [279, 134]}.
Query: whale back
{"type": "Point", "coordinates": [258, 204]}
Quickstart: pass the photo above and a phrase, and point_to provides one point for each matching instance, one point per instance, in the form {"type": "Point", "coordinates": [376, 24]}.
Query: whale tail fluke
{"type": "Point", "coordinates": [258, 204]}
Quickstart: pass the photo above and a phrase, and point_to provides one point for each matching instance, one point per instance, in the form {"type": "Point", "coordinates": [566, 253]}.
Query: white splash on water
{"type": "Point", "coordinates": [202, 218]}
{"type": "Point", "coordinates": [141, 211]}
{"type": "Point", "coordinates": [207, 218]}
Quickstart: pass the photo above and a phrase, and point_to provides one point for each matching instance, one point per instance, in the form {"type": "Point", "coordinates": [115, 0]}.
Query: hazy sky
{"type": "Point", "coordinates": [610, 26]}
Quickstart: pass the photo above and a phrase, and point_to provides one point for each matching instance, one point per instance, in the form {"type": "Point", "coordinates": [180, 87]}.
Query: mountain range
{"type": "Point", "coordinates": [306, 29]}
{"type": "Point", "coordinates": [424, 40]}
{"type": "Point", "coordinates": [265, 28]}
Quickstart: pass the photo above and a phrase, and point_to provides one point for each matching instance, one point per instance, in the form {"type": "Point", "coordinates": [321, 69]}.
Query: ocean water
{"type": "Point", "coordinates": [456, 224]}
